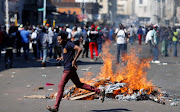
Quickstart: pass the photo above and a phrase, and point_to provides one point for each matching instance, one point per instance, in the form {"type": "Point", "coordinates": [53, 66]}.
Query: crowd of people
{"type": "Point", "coordinates": [43, 40]}
{"type": "Point", "coordinates": [161, 39]}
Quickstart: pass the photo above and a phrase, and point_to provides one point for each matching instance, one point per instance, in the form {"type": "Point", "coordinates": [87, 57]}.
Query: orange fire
{"type": "Point", "coordinates": [133, 72]}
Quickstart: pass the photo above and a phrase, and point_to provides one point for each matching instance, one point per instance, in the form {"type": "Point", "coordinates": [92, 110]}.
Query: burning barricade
{"type": "Point", "coordinates": [128, 82]}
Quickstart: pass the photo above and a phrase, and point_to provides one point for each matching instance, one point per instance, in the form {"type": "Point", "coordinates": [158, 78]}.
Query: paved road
{"type": "Point", "coordinates": [14, 86]}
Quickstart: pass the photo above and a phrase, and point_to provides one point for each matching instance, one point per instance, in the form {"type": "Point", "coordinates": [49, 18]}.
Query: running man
{"type": "Point", "coordinates": [70, 68]}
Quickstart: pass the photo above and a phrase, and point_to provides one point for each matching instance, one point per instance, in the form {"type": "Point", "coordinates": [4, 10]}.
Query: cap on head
{"type": "Point", "coordinates": [155, 26]}
{"type": "Point", "coordinates": [92, 26]}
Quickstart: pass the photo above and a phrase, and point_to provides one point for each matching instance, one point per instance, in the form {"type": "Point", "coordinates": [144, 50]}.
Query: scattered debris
{"type": "Point", "coordinates": [28, 86]}
{"type": "Point", "coordinates": [156, 99]}
{"type": "Point", "coordinates": [13, 72]}
{"type": "Point", "coordinates": [38, 88]}
{"type": "Point", "coordinates": [42, 68]}
{"type": "Point", "coordinates": [49, 84]}
{"type": "Point", "coordinates": [58, 67]}
{"type": "Point", "coordinates": [41, 88]}
{"type": "Point", "coordinates": [86, 69]}
{"type": "Point", "coordinates": [36, 96]}
{"type": "Point", "coordinates": [82, 96]}
{"type": "Point", "coordinates": [12, 75]}
{"type": "Point", "coordinates": [164, 63]}
{"type": "Point", "coordinates": [44, 75]}
{"type": "Point", "coordinates": [51, 89]}
{"type": "Point", "coordinates": [53, 95]}
{"type": "Point", "coordinates": [174, 103]}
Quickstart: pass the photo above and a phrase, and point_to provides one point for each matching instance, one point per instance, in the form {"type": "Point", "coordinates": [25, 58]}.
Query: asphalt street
{"type": "Point", "coordinates": [23, 79]}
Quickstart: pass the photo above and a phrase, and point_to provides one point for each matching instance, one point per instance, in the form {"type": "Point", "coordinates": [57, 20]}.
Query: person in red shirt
{"type": "Point", "coordinates": [93, 35]}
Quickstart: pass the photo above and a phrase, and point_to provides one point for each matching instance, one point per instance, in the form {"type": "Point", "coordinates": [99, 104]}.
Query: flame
{"type": "Point", "coordinates": [133, 72]}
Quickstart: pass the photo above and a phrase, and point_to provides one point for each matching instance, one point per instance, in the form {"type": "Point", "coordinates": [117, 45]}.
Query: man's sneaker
{"type": "Point", "coordinates": [102, 94]}
{"type": "Point", "coordinates": [52, 109]}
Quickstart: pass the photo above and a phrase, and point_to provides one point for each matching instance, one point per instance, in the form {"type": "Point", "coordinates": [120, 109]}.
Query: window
{"type": "Point", "coordinates": [140, 1]}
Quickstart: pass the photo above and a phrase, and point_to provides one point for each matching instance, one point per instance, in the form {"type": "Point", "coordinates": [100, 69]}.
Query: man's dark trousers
{"type": "Point", "coordinates": [71, 74]}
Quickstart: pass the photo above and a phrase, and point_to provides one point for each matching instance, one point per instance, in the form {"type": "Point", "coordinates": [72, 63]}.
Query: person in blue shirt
{"type": "Point", "coordinates": [111, 32]}
{"type": "Point", "coordinates": [25, 42]}
{"type": "Point", "coordinates": [70, 68]}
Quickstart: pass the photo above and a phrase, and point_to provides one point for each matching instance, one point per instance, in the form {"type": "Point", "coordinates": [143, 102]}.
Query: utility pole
{"type": "Point", "coordinates": [174, 12]}
{"type": "Point", "coordinates": [162, 11]}
{"type": "Point", "coordinates": [7, 16]}
{"type": "Point", "coordinates": [44, 14]}
{"type": "Point", "coordinates": [83, 11]}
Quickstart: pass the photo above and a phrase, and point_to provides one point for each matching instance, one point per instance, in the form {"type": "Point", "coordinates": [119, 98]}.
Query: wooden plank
{"type": "Point", "coordinates": [82, 96]}
{"type": "Point", "coordinates": [36, 96]}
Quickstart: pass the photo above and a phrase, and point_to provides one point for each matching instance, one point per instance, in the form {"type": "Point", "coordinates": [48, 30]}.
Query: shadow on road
{"type": "Point", "coordinates": [112, 110]}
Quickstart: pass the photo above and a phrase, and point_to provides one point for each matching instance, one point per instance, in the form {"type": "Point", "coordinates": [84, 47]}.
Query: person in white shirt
{"type": "Point", "coordinates": [69, 31]}
{"type": "Point", "coordinates": [149, 38]}
{"type": "Point", "coordinates": [144, 34]}
{"type": "Point", "coordinates": [121, 42]}
{"type": "Point", "coordinates": [34, 42]}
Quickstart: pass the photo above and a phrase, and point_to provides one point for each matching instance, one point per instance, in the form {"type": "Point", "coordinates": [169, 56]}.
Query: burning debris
{"type": "Point", "coordinates": [128, 82]}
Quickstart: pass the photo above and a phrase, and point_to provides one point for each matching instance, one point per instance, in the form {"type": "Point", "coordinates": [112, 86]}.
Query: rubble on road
{"type": "Point", "coordinates": [49, 84]}
{"type": "Point", "coordinates": [86, 69]}
{"type": "Point", "coordinates": [174, 103]}
{"type": "Point", "coordinates": [36, 96]}
{"type": "Point", "coordinates": [44, 75]}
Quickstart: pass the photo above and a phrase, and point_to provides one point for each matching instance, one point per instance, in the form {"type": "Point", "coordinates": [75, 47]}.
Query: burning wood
{"type": "Point", "coordinates": [82, 96]}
